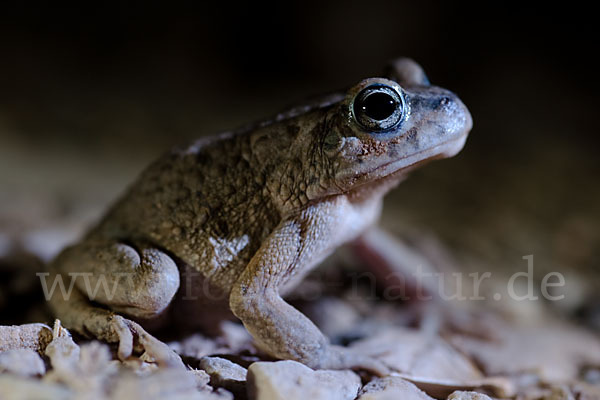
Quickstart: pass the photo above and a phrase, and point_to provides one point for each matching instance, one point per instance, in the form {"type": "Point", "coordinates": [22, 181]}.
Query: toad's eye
{"type": "Point", "coordinates": [378, 108]}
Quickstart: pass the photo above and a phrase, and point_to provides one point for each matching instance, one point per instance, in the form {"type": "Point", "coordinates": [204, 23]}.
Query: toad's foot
{"type": "Point", "coordinates": [78, 314]}
{"type": "Point", "coordinates": [131, 335]}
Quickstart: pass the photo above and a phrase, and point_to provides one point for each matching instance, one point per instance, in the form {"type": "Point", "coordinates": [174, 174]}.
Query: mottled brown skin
{"type": "Point", "coordinates": [252, 212]}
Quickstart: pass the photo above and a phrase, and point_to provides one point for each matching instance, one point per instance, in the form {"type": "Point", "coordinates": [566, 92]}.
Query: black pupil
{"type": "Point", "coordinates": [378, 106]}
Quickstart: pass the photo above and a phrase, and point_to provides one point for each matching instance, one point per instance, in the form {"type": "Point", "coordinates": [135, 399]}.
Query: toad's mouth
{"type": "Point", "coordinates": [446, 149]}
{"type": "Point", "coordinates": [402, 165]}
{"type": "Point", "coordinates": [392, 171]}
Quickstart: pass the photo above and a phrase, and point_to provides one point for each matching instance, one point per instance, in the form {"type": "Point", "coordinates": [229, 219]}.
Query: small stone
{"type": "Point", "coordinates": [95, 359]}
{"type": "Point", "coordinates": [236, 337]}
{"type": "Point", "coordinates": [224, 373]}
{"type": "Point", "coordinates": [458, 395]}
{"type": "Point", "coordinates": [63, 352]}
{"type": "Point", "coordinates": [13, 387]}
{"type": "Point", "coordinates": [31, 336]}
{"type": "Point", "coordinates": [556, 350]}
{"type": "Point", "coordinates": [202, 379]}
{"type": "Point", "coordinates": [290, 380]}
{"type": "Point", "coordinates": [163, 384]}
{"type": "Point", "coordinates": [585, 391]}
{"type": "Point", "coordinates": [22, 362]}
{"type": "Point", "coordinates": [391, 388]}
{"type": "Point", "coordinates": [196, 346]}
{"type": "Point", "coordinates": [592, 376]}
{"type": "Point", "coordinates": [410, 351]}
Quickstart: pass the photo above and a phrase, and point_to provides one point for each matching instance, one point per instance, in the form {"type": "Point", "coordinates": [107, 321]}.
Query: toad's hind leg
{"type": "Point", "coordinates": [139, 282]}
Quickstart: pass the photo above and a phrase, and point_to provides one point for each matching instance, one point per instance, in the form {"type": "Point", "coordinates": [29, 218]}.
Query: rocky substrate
{"type": "Point", "coordinates": [443, 355]}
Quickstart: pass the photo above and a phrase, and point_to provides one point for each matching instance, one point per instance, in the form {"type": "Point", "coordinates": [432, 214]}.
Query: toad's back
{"type": "Point", "coordinates": [203, 204]}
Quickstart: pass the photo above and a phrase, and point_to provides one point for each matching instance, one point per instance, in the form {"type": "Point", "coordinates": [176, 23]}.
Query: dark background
{"type": "Point", "coordinates": [114, 72]}
{"type": "Point", "coordinates": [90, 94]}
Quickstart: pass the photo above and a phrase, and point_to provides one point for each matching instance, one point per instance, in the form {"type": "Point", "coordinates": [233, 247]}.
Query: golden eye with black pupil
{"type": "Point", "coordinates": [378, 108]}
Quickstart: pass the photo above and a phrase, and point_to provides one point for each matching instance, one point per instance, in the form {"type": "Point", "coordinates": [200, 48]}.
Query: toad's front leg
{"type": "Point", "coordinates": [277, 327]}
